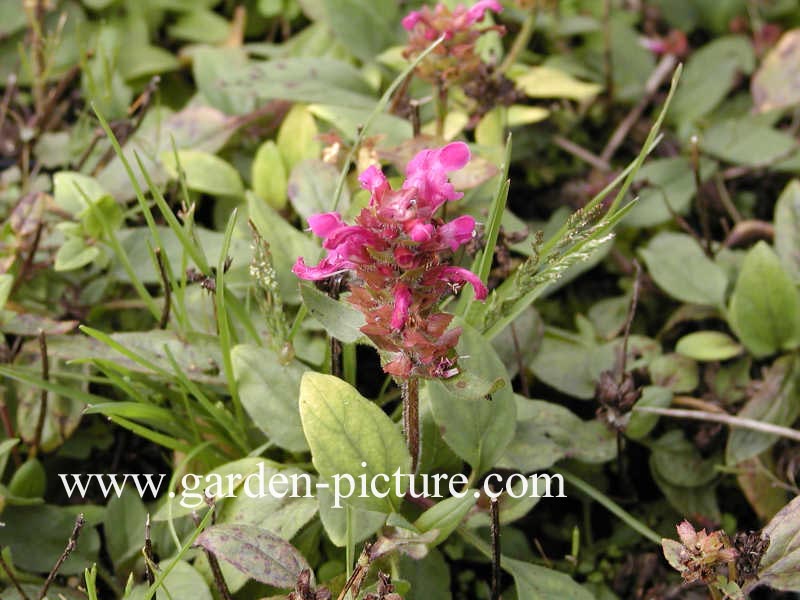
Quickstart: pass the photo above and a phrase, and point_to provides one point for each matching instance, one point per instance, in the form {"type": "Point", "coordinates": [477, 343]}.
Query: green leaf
{"type": "Point", "coordinates": [52, 526]}
{"type": "Point", "coordinates": [75, 254]}
{"type": "Point", "coordinates": [680, 268]}
{"type": "Point", "coordinates": [297, 138]}
{"type": "Point", "coordinates": [268, 175]}
{"type": "Point", "coordinates": [676, 372]}
{"type": "Point", "coordinates": [312, 186]}
{"type": "Point", "coordinates": [183, 581]}
{"type": "Point", "coordinates": [708, 346]}
{"type": "Point", "coordinates": [256, 552]}
{"type": "Point", "coordinates": [539, 583]}
{"type": "Point", "coordinates": [776, 401]}
{"type": "Point", "coordinates": [549, 82]}
{"type": "Point", "coordinates": [363, 523]}
{"type": "Point", "coordinates": [146, 61]}
{"type": "Point", "coordinates": [124, 539]}
{"type": "Point", "coordinates": [6, 285]}
{"type": "Point", "coordinates": [391, 130]}
{"type": "Point", "coordinates": [477, 430]}
{"type": "Point", "coordinates": [364, 27]}
{"type": "Point", "coordinates": [746, 141]}
{"type": "Point", "coordinates": [195, 127]}
{"type": "Point", "coordinates": [765, 305]}
{"type": "Point", "coordinates": [710, 74]}
{"type": "Point", "coordinates": [344, 430]}
{"type": "Point", "coordinates": [547, 432]}
{"type": "Point", "coordinates": [640, 424]}
{"type": "Point", "coordinates": [210, 66]}
{"type": "Point", "coordinates": [268, 390]}
{"type": "Point", "coordinates": [569, 364]}
{"type": "Point", "coordinates": [205, 172]}
{"type": "Point", "coordinates": [103, 215]}
{"type": "Point", "coordinates": [676, 461]}
{"type": "Point", "coordinates": [779, 565]}
{"type": "Point", "coordinates": [201, 26]}
{"type": "Point", "coordinates": [339, 318]}
{"type": "Point", "coordinates": [787, 228]}
{"type": "Point", "coordinates": [445, 516]}
{"type": "Point", "coordinates": [29, 480]}
{"type": "Point", "coordinates": [307, 79]}
{"type": "Point", "coordinates": [66, 194]}
{"type": "Point", "coordinates": [669, 184]}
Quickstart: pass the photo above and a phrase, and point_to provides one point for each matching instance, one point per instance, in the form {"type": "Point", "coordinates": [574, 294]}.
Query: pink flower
{"type": "Point", "coordinates": [460, 276]}
{"type": "Point", "coordinates": [324, 223]}
{"type": "Point", "coordinates": [478, 10]}
{"type": "Point", "coordinates": [457, 232]}
{"type": "Point", "coordinates": [428, 172]}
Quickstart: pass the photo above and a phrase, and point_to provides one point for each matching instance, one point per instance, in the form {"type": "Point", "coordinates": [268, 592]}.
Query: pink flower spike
{"type": "Point", "coordinates": [323, 224]}
{"type": "Point", "coordinates": [457, 232]}
{"type": "Point", "coordinates": [478, 11]}
{"type": "Point", "coordinates": [460, 275]}
{"type": "Point", "coordinates": [410, 20]}
{"type": "Point", "coordinates": [402, 301]}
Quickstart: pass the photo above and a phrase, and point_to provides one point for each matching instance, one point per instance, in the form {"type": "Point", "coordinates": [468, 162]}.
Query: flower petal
{"type": "Point", "coordinates": [327, 266]}
{"type": "Point", "coordinates": [478, 10]}
{"type": "Point", "coordinates": [454, 156]}
{"type": "Point", "coordinates": [323, 224]}
{"type": "Point", "coordinates": [461, 275]}
{"type": "Point", "coordinates": [411, 19]}
{"type": "Point", "coordinates": [457, 232]}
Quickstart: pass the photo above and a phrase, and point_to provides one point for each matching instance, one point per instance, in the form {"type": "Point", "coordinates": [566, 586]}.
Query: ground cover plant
{"type": "Point", "coordinates": [316, 299]}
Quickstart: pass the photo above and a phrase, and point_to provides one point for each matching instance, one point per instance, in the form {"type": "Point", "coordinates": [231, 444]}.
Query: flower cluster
{"type": "Point", "coordinates": [699, 554]}
{"type": "Point", "coordinates": [455, 59]}
{"type": "Point", "coordinates": [400, 256]}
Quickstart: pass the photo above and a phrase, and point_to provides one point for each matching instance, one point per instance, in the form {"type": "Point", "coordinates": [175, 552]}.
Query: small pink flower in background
{"type": "Point", "coordinates": [400, 257]}
{"type": "Point", "coordinates": [455, 59]}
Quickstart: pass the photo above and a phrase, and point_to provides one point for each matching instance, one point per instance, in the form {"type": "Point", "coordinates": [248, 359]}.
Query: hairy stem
{"type": "Point", "coordinates": [410, 395]}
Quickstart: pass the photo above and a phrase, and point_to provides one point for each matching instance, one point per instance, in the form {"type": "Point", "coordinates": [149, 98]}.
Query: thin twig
{"type": "Point", "coordinates": [494, 512]}
{"type": "Point", "coordinates": [162, 270]}
{"type": "Point", "coordinates": [659, 75]}
{"type": "Point", "coordinates": [623, 358]}
{"type": "Point", "coordinates": [11, 577]}
{"type": "Point", "coordinates": [11, 88]}
{"type": "Point", "coordinates": [702, 201]}
{"type": "Point", "coordinates": [37, 435]}
{"type": "Point", "coordinates": [581, 153]}
{"type": "Point", "coordinates": [697, 403]}
{"type": "Point", "coordinates": [725, 198]}
{"type": "Point", "coordinates": [749, 230]}
{"type": "Point", "coordinates": [730, 420]}
{"type": "Point", "coordinates": [71, 545]}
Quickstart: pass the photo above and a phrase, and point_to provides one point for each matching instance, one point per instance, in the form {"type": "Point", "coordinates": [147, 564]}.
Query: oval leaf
{"type": "Point", "coordinates": [205, 172]}
{"type": "Point", "coordinates": [344, 430]}
{"type": "Point", "coordinates": [256, 552]}
{"type": "Point", "coordinates": [708, 346]}
{"type": "Point", "coordinates": [765, 306]}
{"type": "Point", "coordinates": [680, 268]}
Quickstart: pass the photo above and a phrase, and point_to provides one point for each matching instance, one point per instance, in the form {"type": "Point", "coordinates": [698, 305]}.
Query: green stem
{"type": "Point", "coordinates": [520, 42]}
